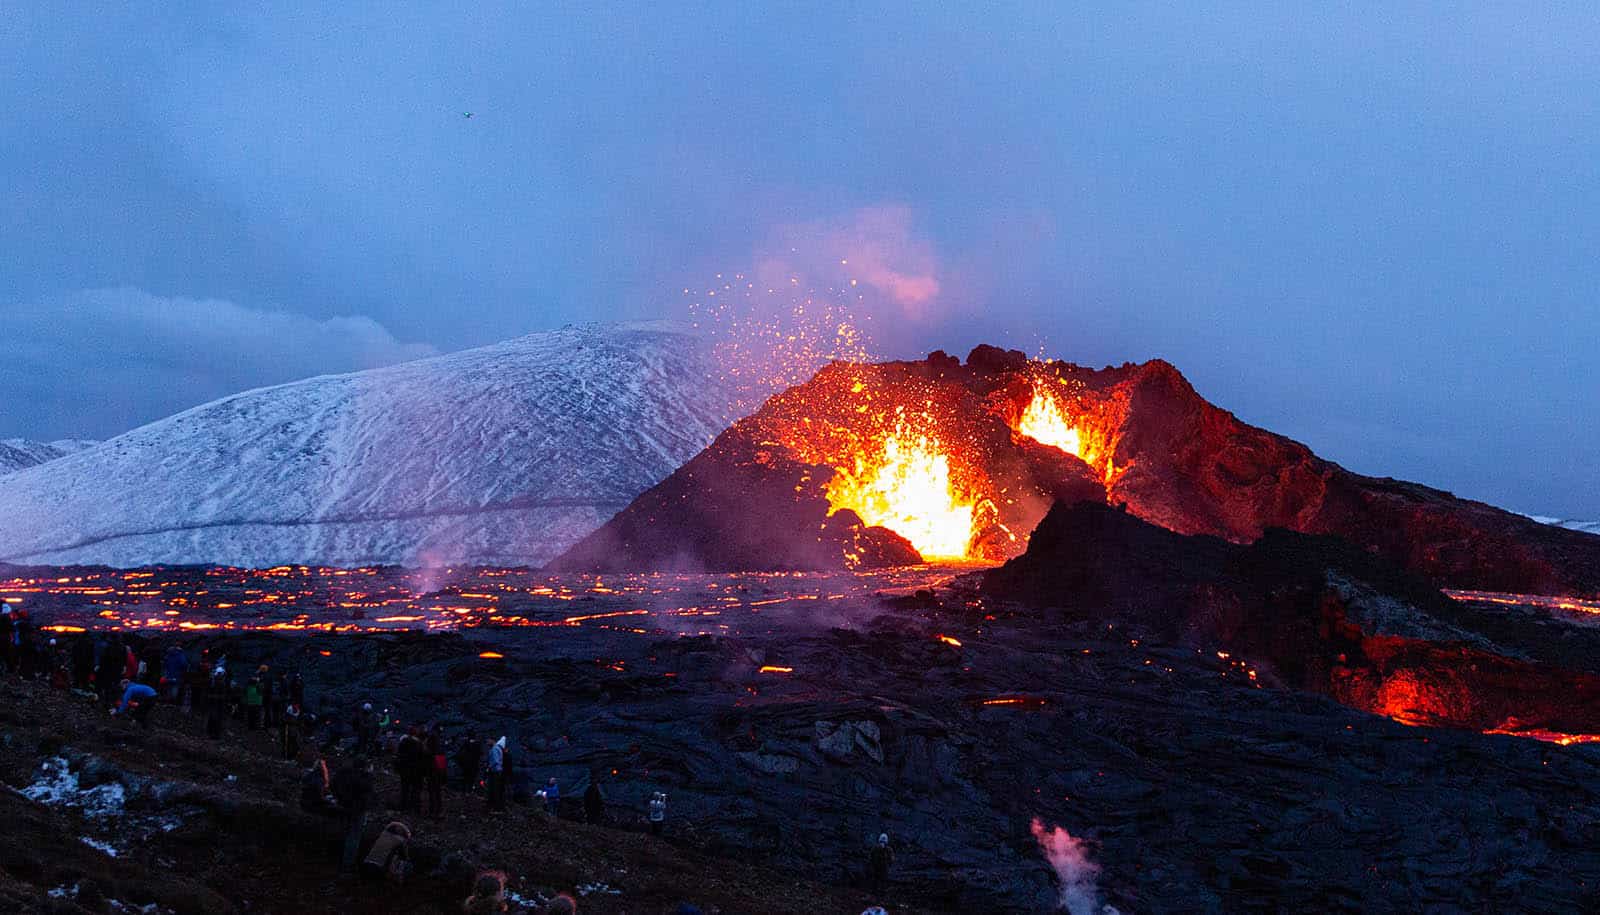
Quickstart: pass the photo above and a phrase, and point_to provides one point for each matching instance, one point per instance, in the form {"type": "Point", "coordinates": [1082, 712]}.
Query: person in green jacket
{"type": "Point", "coordinates": [252, 703]}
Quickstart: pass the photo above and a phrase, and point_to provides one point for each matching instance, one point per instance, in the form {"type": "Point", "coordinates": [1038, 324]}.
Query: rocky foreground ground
{"type": "Point", "coordinates": [1194, 787]}
{"type": "Point", "coordinates": [166, 821]}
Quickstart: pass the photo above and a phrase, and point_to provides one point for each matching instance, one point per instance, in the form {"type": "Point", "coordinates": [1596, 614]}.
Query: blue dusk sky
{"type": "Point", "coordinates": [1371, 227]}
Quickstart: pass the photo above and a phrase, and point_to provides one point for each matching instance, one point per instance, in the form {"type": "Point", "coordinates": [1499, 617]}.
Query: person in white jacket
{"type": "Point", "coordinates": [496, 767]}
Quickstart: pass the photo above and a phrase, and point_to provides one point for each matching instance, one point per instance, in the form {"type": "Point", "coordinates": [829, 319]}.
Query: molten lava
{"type": "Point", "coordinates": [1045, 421]}
{"type": "Point", "coordinates": [906, 485]}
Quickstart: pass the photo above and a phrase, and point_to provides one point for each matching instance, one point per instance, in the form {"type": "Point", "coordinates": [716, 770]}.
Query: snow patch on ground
{"type": "Point", "coordinates": [103, 807]}
{"type": "Point", "coordinates": [57, 786]}
{"type": "Point", "coordinates": [98, 845]}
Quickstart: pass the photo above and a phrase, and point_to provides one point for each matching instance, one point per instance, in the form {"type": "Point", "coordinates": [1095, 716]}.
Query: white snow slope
{"type": "Point", "coordinates": [500, 455]}
{"type": "Point", "coordinates": [1588, 527]}
{"type": "Point", "coordinates": [19, 453]}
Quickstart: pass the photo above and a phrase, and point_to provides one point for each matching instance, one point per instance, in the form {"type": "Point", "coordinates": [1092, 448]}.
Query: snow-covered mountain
{"type": "Point", "coordinates": [19, 453]}
{"type": "Point", "coordinates": [1588, 527]}
{"type": "Point", "coordinates": [500, 455]}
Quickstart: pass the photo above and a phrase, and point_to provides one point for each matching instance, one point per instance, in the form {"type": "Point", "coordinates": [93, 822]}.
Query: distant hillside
{"type": "Point", "coordinates": [20, 453]}
{"type": "Point", "coordinates": [504, 454]}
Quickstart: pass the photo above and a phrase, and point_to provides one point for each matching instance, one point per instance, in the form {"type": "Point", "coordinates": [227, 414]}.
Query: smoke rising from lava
{"type": "Point", "coordinates": [1077, 876]}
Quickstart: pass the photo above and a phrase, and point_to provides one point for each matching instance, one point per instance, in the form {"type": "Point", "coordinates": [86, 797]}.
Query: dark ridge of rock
{"type": "Point", "coordinates": [1312, 612]}
{"type": "Point", "coordinates": [755, 499]}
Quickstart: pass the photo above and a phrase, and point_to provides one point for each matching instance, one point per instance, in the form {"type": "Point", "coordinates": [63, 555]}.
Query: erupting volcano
{"type": "Point", "coordinates": [869, 465]}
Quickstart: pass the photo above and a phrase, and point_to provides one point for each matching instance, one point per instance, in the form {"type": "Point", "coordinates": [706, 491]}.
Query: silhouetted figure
{"type": "Point", "coordinates": [352, 789]}
{"type": "Point", "coordinates": [594, 803]}
{"type": "Point", "coordinates": [438, 767]}
{"type": "Point", "coordinates": [410, 763]}
{"type": "Point", "coordinates": [469, 760]}
{"type": "Point", "coordinates": [83, 662]}
{"type": "Point", "coordinates": [488, 895]}
{"type": "Point", "coordinates": [878, 861]}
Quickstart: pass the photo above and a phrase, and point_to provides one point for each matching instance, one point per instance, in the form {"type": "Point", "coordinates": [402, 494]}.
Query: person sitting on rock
{"type": "Point", "coordinates": [138, 698]}
{"type": "Point", "coordinates": [878, 861]}
{"type": "Point", "coordinates": [390, 855]}
{"type": "Point", "coordinates": [488, 895]}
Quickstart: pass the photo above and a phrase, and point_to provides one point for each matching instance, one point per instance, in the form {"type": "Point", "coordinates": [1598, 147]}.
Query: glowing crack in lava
{"type": "Point", "coordinates": [905, 485]}
{"type": "Point", "coordinates": [1044, 421]}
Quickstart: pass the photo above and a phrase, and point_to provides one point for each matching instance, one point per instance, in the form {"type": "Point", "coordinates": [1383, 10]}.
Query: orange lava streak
{"type": "Point", "coordinates": [772, 669]}
{"type": "Point", "coordinates": [1547, 736]}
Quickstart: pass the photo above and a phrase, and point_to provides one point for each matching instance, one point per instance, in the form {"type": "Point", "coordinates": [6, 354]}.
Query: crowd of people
{"type": "Point", "coordinates": [133, 677]}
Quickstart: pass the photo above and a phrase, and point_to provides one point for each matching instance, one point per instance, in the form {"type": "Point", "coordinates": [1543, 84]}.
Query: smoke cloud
{"type": "Point", "coordinates": [1077, 876]}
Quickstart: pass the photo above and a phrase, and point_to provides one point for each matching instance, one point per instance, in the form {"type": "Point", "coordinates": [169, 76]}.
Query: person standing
{"type": "Point", "coordinates": [469, 759]}
{"type": "Point", "coordinates": [289, 732]}
{"type": "Point", "coordinates": [253, 699]}
{"type": "Point", "coordinates": [174, 672]}
{"type": "Point", "coordinates": [438, 768]}
{"type": "Point", "coordinates": [594, 803]}
{"type": "Point", "coordinates": [408, 764]}
{"type": "Point", "coordinates": [658, 813]}
{"type": "Point", "coordinates": [352, 788]}
{"type": "Point", "coordinates": [879, 860]}
{"type": "Point", "coordinates": [499, 760]}
{"type": "Point", "coordinates": [83, 661]}
{"type": "Point", "coordinates": [552, 798]}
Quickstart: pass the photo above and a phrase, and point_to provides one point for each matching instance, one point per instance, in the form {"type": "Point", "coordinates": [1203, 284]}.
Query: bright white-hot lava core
{"type": "Point", "coordinates": [1045, 421]}
{"type": "Point", "coordinates": [907, 487]}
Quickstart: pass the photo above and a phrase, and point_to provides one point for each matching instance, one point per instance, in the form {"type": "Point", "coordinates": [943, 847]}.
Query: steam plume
{"type": "Point", "coordinates": [1077, 875]}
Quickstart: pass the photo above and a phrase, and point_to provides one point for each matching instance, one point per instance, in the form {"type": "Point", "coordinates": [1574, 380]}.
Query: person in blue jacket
{"type": "Point", "coordinates": [138, 697]}
{"type": "Point", "coordinates": [174, 673]}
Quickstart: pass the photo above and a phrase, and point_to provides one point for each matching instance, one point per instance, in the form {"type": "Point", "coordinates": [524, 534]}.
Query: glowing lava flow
{"type": "Point", "coordinates": [1044, 421]}
{"type": "Point", "coordinates": [906, 486]}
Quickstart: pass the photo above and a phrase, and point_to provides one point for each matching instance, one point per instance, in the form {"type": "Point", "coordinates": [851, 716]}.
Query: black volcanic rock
{"type": "Point", "coordinates": [755, 499]}
{"type": "Point", "coordinates": [1310, 612]}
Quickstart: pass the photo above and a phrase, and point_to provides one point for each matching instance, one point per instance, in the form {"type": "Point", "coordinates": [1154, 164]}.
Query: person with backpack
{"type": "Point", "coordinates": [174, 672]}
{"type": "Point", "coordinates": [352, 790]}
{"type": "Point", "coordinates": [390, 856]}
{"type": "Point", "coordinates": [411, 764]}
{"type": "Point", "coordinates": [315, 796]}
